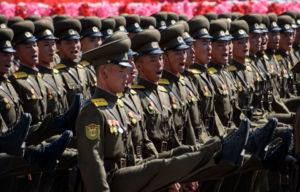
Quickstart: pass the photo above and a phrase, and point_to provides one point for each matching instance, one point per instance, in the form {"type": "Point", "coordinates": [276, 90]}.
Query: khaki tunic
{"type": "Point", "coordinates": [92, 81]}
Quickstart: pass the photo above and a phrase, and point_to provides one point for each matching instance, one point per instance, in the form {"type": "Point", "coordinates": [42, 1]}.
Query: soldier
{"type": "Point", "coordinates": [225, 15]}
{"type": "Point", "coordinates": [120, 23]}
{"type": "Point", "coordinates": [147, 22]}
{"type": "Point", "coordinates": [211, 16]}
{"type": "Point", "coordinates": [296, 43]}
{"type": "Point", "coordinates": [183, 17]}
{"type": "Point", "coordinates": [172, 18]}
{"type": "Point", "coordinates": [133, 24]}
{"type": "Point", "coordinates": [90, 39]}
{"type": "Point", "coordinates": [161, 18]}
{"type": "Point", "coordinates": [75, 79]}
{"type": "Point", "coordinates": [107, 28]}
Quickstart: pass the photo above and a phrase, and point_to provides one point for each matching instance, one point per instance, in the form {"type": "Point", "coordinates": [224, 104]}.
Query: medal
{"type": "Point", "coordinates": [174, 106]}
{"type": "Point", "coordinates": [224, 91]}
{"type": "Point", "coordinates": [119, 128]}
{"type": "Point", "coordinates": [257, 77]}
{"type": "Point", "coordinates": [240, 87]}
{"type": "Point", "coordinates": [187, 97]}
{"type": "Point", "coordinates": [193, 99]}
{"type": "Point", "coordinates": [7, 104]}
{"type": "Point", "coordinates": [133, 121]}
{"type": "Point", "coordinates": [173, 99]}
{"type": "Point", "coordinates": [115, 127]}
{"type": "Point", "coordinates": [206, 91]}
{"type": "Point", "coordinates": [130, 114]}
{"type": "Point", "coordinates": [33, 97]}
{"type": "Point", "coordinates": [50, 97]}
{"type": "Point", "coordinates": [110, 126]}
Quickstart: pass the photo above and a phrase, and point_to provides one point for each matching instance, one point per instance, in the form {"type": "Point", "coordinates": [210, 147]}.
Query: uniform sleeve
{"type": "Point", "coordinates": [91, 148]}
{"type": "Point", "coordinates": [149, 148]}
{"type": "Point", "coordinates": [16, 86]}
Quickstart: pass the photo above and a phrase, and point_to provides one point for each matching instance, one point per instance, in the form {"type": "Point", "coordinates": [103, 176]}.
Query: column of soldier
{"type": "Point", "coordinates": [150, 103]}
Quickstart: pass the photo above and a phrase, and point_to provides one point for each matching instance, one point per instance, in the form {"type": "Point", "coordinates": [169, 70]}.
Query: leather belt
{"type": "Point", "coordinates": [161, 146]}
{"type": "Point", "coordinates": [110, 164]}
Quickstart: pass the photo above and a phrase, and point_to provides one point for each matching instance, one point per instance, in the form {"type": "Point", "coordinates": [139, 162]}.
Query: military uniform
{"type": "Point", "coordinates": [161, 18]}
{"type": "Point", "coordinates": [108, 26]}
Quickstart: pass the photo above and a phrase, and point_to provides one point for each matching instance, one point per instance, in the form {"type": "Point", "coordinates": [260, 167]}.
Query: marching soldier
{"type": "Point", "coordinates": [133, 25]}
{"type": "Point", "coordinates": [161, 18]}
{"type": "Point", "coordinates": [107, 28]}
{"type": "Point", "coordinates": [148, 22]}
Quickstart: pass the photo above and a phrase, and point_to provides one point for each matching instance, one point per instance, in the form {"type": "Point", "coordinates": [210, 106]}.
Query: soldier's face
{"type": "Point", "coordinates": [5, 62]}
{"type": "Point", "coordinates": [28, 53]}
{"type": "Point", "coordinates": [203, 51]}
{"type": "Point", "coordinates": [273, 42]}
{"type": "Point", "coordinates": [131, 70]}
{"type": "Point", "coordinates": [241, 48]}
{"type": "Point", "coordinates": [130, 35]}
{"type": "Point", "coordinates": [220, 52]}
{"type": "Point", "coordinates": [190, 55]}
{"type": "Point", "coordinates": [255, 42]}
{"type": "Point", "coordinates": [115, 77]}
{"type": "Point", "coordinates": [286, 41]}
{"type": "Point", "coordinates": [264, 41]}
{"type": "Point", "coordinates": [89, 43]}
{"type": "Point", "coordinates": [174, 60]}
{"type": "Point", "coordinates": [47, 50]}
{"type": "Point", "coordinates": [69, 49]}
{"type": "Point", "coordinates": [150, 67]}
{"type": "Point", "coordinates": [297, 39]}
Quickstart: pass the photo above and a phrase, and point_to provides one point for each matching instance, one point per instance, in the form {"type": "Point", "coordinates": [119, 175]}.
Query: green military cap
{"type": "Point", "coordinates": [33, 18]}
{"type": "Point", "coordinates": [148, 22]}
{"type": "Point", "coordinates": [6, 36]}
{"type": "Point", "coordinates": [273, 22]}
{"type": "Point", "coordinates": [108, 26]}
{"type": "Point", "coordinates": [124, 14]}
{"type": "Point", "coordinates": [90, 27]}
{"type": "Point", "coordinates": [186, 36]}
{"type": "Point", "coordinates": [240, 15]}
{"type": "Point", "coordinates": [67, 29]}
{"type": "Point", "coordinates": [43, 29]}
{"type": "Point", "coordinates": [183, 17]}
{"type": "Point", "coordinates": [211, 16]}
{"type": "Point", "coordinates": [146, 42]}
{"type": "Point", "coordinates": [110, 52]}
{"type": "Point", "coordinates": [225, 15]}
{"type": "Point", "coordinates": [23, 32]}
{"type": "Point", "coordinates": [199, 27]}
{"type": "Point", "coordinates": [293, 15]}
{"type": "Point", "coordinates": [254, 22]}
{"type": "Point", "coordinates": [79, 17]}
{"type": "Point", "coordinates": [133, 23]}
{"type": "Point", "coordinates": [172, 18]}
{"type": "Point", "coordinates": [61, 17]}
{"type": "Point", "coordinates": [52, 16]}
{"type": "Point", "coordinates": [161, 18]}
{"type": "Point", "coordinates": [217, 31]}
{"type": "Point", "coordinates": [3, 21]}
{"type": "Point", "coordinates": [285, 23]}
{"type": "Point", "coordinates": [120, 23]}
{"type": "Point", "coordinates": [14, 20]}
{"type": "Point", "coordinates": [298, 18]}
{"type": "Point", "coordinates": [239, 29]}
{"type": "Point", "coordinates": [171, 38]}
{"type": "Point", "coordinates": [48, 18]}
{"type": "Point", "coordinates": [265, 22]}
{"type": "Point", "coordinates": [234, 16]}
{"type": "Point", "coordinates": [228, 24]}
{"type": "Point", "coordinates": [115, 36]}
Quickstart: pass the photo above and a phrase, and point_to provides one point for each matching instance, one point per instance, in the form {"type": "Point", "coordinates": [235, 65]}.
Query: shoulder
{"type": "Point", "coordinates": [232, 68]}
{"type": "Point", "coordinates": [60, 66]}
{"type": "Point", "coordinates": [162, 88]}
{"type": "Point", "coordinates": [164, 82]}
{"type": "Point", "coordinates": [278, 57]}
{"type": "Point", "coordinates": [248, 59]}
{"type": "Point", "coordinates": [137, 87]}
{"type": "Point", "coordinates": [211, 70]}
{"type": "Point", "coordinates": [266, 57]}
{"type": "Point", "coordinates": [84, 63]}
{"type": "Point", "coordinates": [19, 75]}
{"type": "Point", "coordinates": [195, 71]}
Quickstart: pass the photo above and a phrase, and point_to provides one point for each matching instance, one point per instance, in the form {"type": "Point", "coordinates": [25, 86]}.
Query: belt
{"type": "Point", "coordinates": [161, 146]}
{"type": "Point", "coordinates": [110, 164]}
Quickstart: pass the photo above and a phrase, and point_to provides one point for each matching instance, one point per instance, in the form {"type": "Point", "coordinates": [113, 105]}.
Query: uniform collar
{"type": "Point", "coordinates": [252, 57]}
{"type": "Point", "coordinates": [101, 93]}
{"type": "Point", "coordinates": [2, 78]}
{"type": "Point", "coordinates": [186, 73]}
{"type": "Point", "coordinates": [28, 69]}
{"type": "Point", "coordinates": [127, 90]}
{"type": "Point", "coordinates": [170, 76]}
{"type": "Point", "coordinates": [201, 67]}
{"type": "Point", "coordinates": [260, 54]}
{"type": "Point", "coordinates": [147, 84]}
{"type": "Point", "coordinates": [216, 65]}
{"type": "Point", "coordinates": [270, 51]}
{"type": "Point", "coordinates": [44, 70]}
{"type": "Point", "coordinates": [238, 65]}
{"type": "Point", "coordinates": [68, 62]}
{"type": "Point", "coordinates": [296, 47]}
{"type": "Point", "coordinates": [282, 53]}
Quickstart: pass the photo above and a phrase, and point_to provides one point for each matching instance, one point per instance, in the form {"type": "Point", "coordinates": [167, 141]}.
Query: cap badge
{"type": "Point", "coordinates": [229, 19]}
{"type": "Point", "coordinates": [122, 28]}
{"type": "Point", "coordinates": [204, 30]}
{"type": "Point", "coordinates": [95, 29]}
{"type": "Point", "coordinates": [274, 24]}
{"type": "Point", "coordinates": [28, 34]}
{"type": "Point", "coordinates": [8, 44]}
{"type": "Point", "coordinates": [109, 31]}
{"type": "Point", "coordinates": [162, 23]}
{"type": "Point", "coordinates": [136, 25]}
{"type": "Point", "coordinates": [256, 26]}
{"type": "Point", "coordinates": [222, 33]}
{"type": "Point", "coordinates": [241, 31]}
{"type": "Point", "coordinates": [287, 26]}
{"type": "Point", "coordinates": [71, 32]}
{"type": "Point", "coordinates": [154, 44]}
{"type": "Point", "coordinates": [173, 22]}
{"type": "Point", "coordinates": [298, 21]}
{"type": "Point", "coordinates": [151, 27]}
{"type": "Point", "coordinates": [2, 26]}
{"type": "Point", "coordinates": [227, 32]}
{"type": "Point", "coordinates": [48, 32]}
{"type": "Point", "coordinates": [180, 40]}
{"type": "Point", "coordinates": [294, 21]}
{"type": "Point", "coordinates": [186, 34]}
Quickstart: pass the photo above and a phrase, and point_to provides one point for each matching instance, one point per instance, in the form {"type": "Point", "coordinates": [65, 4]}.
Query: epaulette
{"type": "Point", "coordinates": [99, 102]}
{"type": "Point", "coordinates": [79, 66]}
{"type": "Point", "coordinates": [40, 75]}
{"type": "Point", "coordinates": [248, 59]}
{"type": "Point", "coordinates": [162, 88]}
{"type": "Point", "coordinates": [232, 68]}
{"type": "Point", "coordinates": [292, 51]}
{"type": "Point", "coordinates": [8, 80]}
{"type": "Point", "coordinates": [55, 71]}
{"type": "Point", "coordinates": [195, 71]}
{"type": "Point", "coordinates": [181, 77]}
{"type": "Point", "coordinates": [211, 70]}
{"type": "Point", "coordinates": [249, 68]}
{"type": "Point", "coordinates": [132, 91]}
{"type": "Point", "coordinates": [120, 95]}
{"type": "Point", "coordinates": [120, 103]}
{"type": "Point", "coordinates": [84, 63]}
{"type": "Point", "coordinates": [57, 51]}
{"type": "Point", "coordinates": [56, 55]}
{"type": "Point", "coordinates": [266, 57]}
{"type": "Point", "coordinates": [59, 66]}
{"type": "Point", "coordinates": [19, 75]}
{"type": "Point", "coordinates": [137, 87]}
{"type": "Point", "coordinates": [278, 57]}
{"type": "Point", "coordinates": [164, 82]}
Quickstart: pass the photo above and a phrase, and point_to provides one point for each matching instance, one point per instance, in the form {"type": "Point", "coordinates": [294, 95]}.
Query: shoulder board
{"type": "Point", "coordinates": [181, 77]}
{"type": "Point", "coordinates": [162, 88]}
{"type": "Point", "coordinates": [195, 71]}
{"type": "Point", "coordinates": [211, 70]}
{"type": "Point", "coordinates": [249, 68]}
{"type": "Point", "coordinates": [266, 57]}
{"type": "Point", "coordinates": [57, 51]}
{"type": "Point", "coordinates": [55, 71]}
{"type": "Point", "coordinates": [84, 63]}
{"type": "Point", "coordinates": [56, 55]}
{"type": "Point", "coordinates": [164, 82]}
{"type": "Point", "coordinates": [137, 87]}
{"type": "Point", "coordinates": [232, 68]}
{"type": "Point", "coordinates": [120, 102]}
{"type": "Point", "coordinates": [182, 82]}
{"type": "Point", "coordinates": [120, 95]}
{"type": "Point", "coordinates": [8, 80]}
{"type": "Point", "coordinates": [292, 51]}
{"type": "Point", "coordinates": [99, 102]}
{"type": "Point", "coordinates": [40, 75]}
{"type": "Point", "coordinates": [132, 91]}
{"type": "Point", "coordinates": [18, 75]}
{"type": "Point", "coordinates": [278, 57]}
{"type": "Point", "coordinates": [79, 66]}
{"type": "Point", "coordinates": [248, 59]}
{"type": "Point", "coordinates": [59, 66]}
